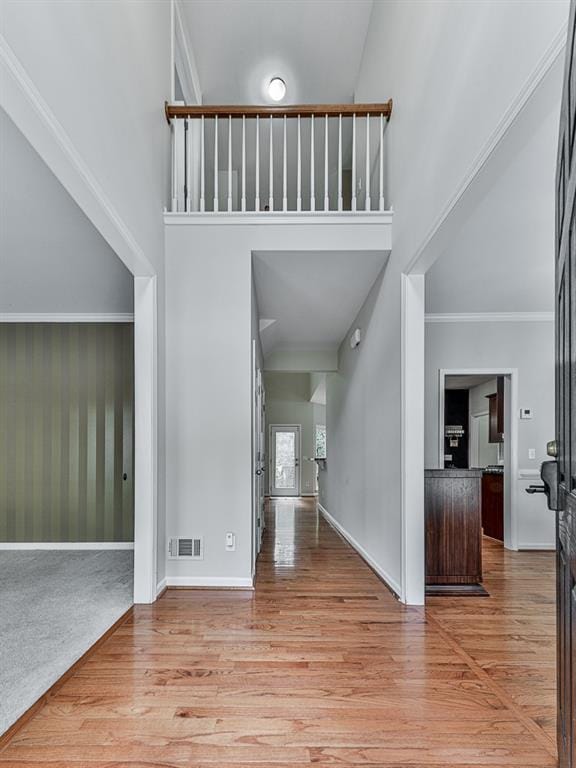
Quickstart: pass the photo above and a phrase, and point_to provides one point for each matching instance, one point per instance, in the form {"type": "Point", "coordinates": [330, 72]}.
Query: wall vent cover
{"type": "Point", "coordinates": [186, 549]}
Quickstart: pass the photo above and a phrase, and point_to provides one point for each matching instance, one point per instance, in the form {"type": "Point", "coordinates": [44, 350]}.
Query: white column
{"type": "Point", "coordinates": [229, 163]}
{"type": "Point", "coordinates": [145, 442]}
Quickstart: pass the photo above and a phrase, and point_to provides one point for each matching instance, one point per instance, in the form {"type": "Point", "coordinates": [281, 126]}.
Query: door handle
{"type": "Point", "coordinates": [550, 474]}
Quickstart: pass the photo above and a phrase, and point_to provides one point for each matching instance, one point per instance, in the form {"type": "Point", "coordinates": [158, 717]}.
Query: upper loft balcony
{"type": "Point", "coordinates": [306, 160]}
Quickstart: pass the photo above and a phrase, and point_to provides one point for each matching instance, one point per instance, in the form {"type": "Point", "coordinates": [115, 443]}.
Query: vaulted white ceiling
{"type": "Point", "coordinates": [312, 296]}
{"type": "Point", "coordinates": [316, 46]}
{"type": "Point", "coordinates": [52, 258]}
{"type": "Point", "coordinates": [502, 259]}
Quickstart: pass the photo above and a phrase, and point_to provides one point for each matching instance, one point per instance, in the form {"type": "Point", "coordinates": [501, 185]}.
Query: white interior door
{"type": "Point", "coordinates": [284, 460]}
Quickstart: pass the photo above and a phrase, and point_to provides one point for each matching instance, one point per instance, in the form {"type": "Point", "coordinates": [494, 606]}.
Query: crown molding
{"type": "Point", "coordinates": [65, 317]}
{"type": "Point", "coordinates": [491, 317]}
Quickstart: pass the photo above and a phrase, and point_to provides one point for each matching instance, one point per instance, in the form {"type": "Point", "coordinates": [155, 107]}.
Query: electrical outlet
{"type": "Point", "coordinates": [531, 453]}
{"type": "Point", "coordinates": [230, 542]}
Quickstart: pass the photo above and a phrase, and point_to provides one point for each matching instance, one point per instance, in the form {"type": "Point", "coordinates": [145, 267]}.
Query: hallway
{"type": "Point", "coordinates": [320, 665]}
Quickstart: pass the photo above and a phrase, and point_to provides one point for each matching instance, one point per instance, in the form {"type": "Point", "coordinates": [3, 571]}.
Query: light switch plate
{"type": "Point", "coordinates": [531, 453]}
{"type": "Point", "coordinates": [525, 413]}
{"type": "Point", "coordinates": [230, 542]}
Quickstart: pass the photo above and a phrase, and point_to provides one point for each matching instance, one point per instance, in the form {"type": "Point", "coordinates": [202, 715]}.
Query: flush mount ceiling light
{"type": "Point", "coordinates": [276, 89]}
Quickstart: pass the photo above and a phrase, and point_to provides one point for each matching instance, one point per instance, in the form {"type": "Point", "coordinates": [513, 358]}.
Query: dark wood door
{"type": "Point", "coordinates": [566, 409]}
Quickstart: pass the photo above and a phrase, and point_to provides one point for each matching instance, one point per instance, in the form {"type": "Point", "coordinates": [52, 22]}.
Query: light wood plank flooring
{"type": "Point", "coordinates": [320, 665]}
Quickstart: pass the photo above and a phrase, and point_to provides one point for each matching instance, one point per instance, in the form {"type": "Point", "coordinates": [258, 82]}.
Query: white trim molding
{"type": "Point", "coordinates": [66, 545]}
{"type": "Point", "coordinates": [547, 61]}
{"type": "Point", "coordinates": [184, 60]}
{"type": "Point", "coordinates": [216, 582]}
{"type": "Point", "coordinates": [65, 317]}
{"type": "Point", "coordinates": [161, 586]}
{"type": "Point", "coordinates": [23, 102]}
{"type": "Point", "coordinates": [394, 585]}
{"type": "Point", "coordinates": [546, 547]}
{"type": "Point", "coordinates": [491, 317]}
{"type": "Point", "coordinates": [221, 218]}
{"type": "Point", "coordinates": [511, 471]}
{"type": "Point", "coordinates": [528, 473]}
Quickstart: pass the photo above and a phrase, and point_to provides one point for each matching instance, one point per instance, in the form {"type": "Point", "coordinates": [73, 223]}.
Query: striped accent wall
{"type": "Point", "coordinates": [66, 432]}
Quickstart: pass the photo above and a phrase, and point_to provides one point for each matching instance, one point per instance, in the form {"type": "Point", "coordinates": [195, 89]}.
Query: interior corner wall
{"type": "Point", "coordinates": [529, 347]}
{"type": "Point", "coordinates": [208, 403]}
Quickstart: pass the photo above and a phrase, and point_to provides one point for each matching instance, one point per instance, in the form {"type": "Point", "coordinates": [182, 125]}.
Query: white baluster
{"type": "Point", "coordinates": [312, 190]}
{"type": "Point", "coordinates": [243, 206]}
{"type": "Point", "coordinates": [216, 164]}
{"type": "Point", "coordinates": [174, 195]}
{"type": "Point", "coordinates": [381, 201]}
{"type": "Point", "coordinates": [284, 172]}
{"type": "Point", "coordinates": [257, 199]}
{"type": "Point", "coordinates": [326, 195]}
{"type": "Point", "coordinates": [299, 172]}
{"type": "Point", "coordinates": [188, 172]}
{"type": "Point", "coordinates": [229, 163]}
{"type": "Point", "coordinates": [271, 170]}
{"type": "Point", "coordinates": [368, 201]}
{"type": "Point", "coordinates": [353, 162]}
{"type": "Point", "coordinates": [340, 202]}
{"type": "Point", "coordinates": [202, 168]}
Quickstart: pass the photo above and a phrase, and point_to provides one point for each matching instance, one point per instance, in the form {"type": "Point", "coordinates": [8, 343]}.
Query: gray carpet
{"type": "Point", "coordinates": [53, 606]}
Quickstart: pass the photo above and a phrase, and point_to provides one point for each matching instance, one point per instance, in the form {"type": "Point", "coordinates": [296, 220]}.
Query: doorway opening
{"type": "Point", "coordinates": [476, 431]}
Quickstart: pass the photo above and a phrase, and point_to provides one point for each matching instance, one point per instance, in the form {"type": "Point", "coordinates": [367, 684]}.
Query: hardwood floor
{"type": "Point", "coordinates": [320, 665]}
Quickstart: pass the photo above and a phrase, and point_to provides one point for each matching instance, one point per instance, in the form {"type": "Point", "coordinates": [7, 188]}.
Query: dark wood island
{"type": "Point", "coordinates": [453, 525]}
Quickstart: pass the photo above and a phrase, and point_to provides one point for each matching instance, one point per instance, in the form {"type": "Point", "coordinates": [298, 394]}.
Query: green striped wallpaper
{"type": "Point", "coordinates": [66, 432]}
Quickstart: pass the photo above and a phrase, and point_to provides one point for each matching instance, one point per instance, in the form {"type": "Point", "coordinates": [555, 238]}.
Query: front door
{"type": "Point", "coordinates": [565, 448]}
{"type": "Point", "coordinates": [284, 460]}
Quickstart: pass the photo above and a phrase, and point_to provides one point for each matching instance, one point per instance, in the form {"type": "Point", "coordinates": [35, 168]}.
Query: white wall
{"type": "Point", "coordinates": [86, 82]}
{"type": "Point", "coordinates": [450, 99]}
{"type": "Point", "coordinates": [208, 411]}
{"type": "Point", "coordinates": [52, 258]}
{"type": "Point", "coordinates": [360, 487]}
{"type": "Point", "coordinates": [529, 347]}
{"type": "Point", "coordinates": [288, 402]}
{"type": "Point", "coordinates": [103, 70]}
{"type": "Point", "coordinates": [210, 320]}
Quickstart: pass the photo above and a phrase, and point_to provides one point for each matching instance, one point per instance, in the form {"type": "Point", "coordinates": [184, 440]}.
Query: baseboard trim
{"type": "Point", "coordinates": [491, 317]}
{"type": "Point", "coordinates": [66, 317]}
{"type": "Point", "coordinates": [389, 582]}
{"type": "Point", "coordinates": [161, 587]}
{"type": "Point", "coordinates": [538, 547]}
{"type": "Point", "coordinates": [209, 582]}
{"type": "Point", "coordinates": [42, 545]}
{"type": "Point", "coordinates": [8, 735]}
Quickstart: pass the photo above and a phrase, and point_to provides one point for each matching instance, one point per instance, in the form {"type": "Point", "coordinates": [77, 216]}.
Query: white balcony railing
{"type": "Point", "coordinates": [303, 158]}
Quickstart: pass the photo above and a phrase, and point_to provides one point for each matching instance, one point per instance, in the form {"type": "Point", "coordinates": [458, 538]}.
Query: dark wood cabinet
{"type": "Point", "coordinates": [493, 505]}
{"type": "Point", "coordinates": [453, 531]}
{"type": "Point", "coordinates": [496, 413]}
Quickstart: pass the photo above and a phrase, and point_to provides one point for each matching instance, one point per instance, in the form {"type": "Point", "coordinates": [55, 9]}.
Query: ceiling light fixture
{"type": "Point", "coordinates": [276, 89]}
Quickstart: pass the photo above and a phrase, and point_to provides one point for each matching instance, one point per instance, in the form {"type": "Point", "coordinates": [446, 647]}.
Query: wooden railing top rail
{"type": "Point", "coordinates": [304, 110]}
